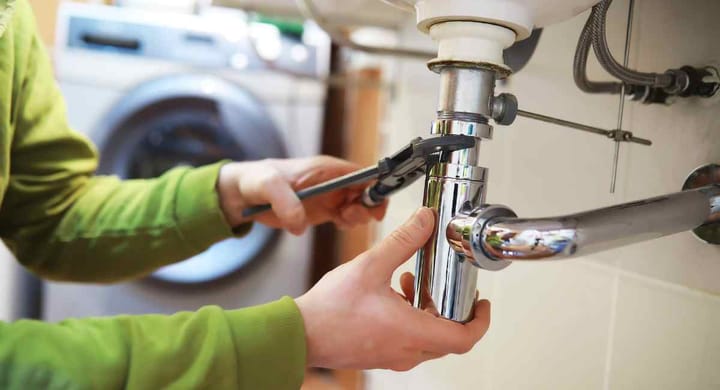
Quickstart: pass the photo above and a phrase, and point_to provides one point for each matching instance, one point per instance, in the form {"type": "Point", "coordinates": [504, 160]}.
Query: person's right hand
{"type": "Point", "coordinates": [249, 183]}
{"type": "Point", "coordinates": [354, 319]}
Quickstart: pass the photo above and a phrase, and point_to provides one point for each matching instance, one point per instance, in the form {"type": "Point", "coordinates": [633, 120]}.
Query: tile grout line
{"type": "Point", "coordinates": [653, 281]}
{"type": "Point", "coordinates": [611, 330]}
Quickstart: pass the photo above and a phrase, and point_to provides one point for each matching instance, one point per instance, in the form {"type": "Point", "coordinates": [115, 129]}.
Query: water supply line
{"type": "Point", "coordinates": [606, 59]}
{"type": "Point", "coordinates": [580, 65]}
{"type": "Point", "coordinates": [647, 87]}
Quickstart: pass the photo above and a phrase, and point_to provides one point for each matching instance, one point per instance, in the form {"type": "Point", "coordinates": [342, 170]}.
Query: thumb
{"type": "Point", "coordinates": [394, 250]}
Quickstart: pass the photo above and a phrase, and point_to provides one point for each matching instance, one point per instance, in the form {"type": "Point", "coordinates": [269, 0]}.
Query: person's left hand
{"type": "Point", "coordinates": [354, 320]}
{"type": "Point", "coordinates": [244, 184]}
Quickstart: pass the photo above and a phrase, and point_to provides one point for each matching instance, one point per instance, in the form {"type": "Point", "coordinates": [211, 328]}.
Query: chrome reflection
{"type": "Point", "coordinates": [503, 243]}
{"type": "Point", "coordinates": [702, 176]}
{"type": "Point", "coordinates": [445, 279]}
{"type": "Point", "coordinates": [502, 239]}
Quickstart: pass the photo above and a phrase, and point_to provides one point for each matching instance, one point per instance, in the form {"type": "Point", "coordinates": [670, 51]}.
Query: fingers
{"type": "Point", "coordinates": [430, 356]}
{"type": "Point", "coordinates": [316, 170]}
{"type": "Point", "coordinates": [407, 285]}
{"type": "Point", "coordinates": [426, 302]}
{"type": "Point", "coordinates": [355, 214]}
{"type": "Point", "coordinates": [480, 322]}
{"type": "Point", "coordinates": [397, 248]}
{"type": "Point", "coordinates": [444, 336]}
{"type": "Point", "coordinates": [340, 224]}
{"type": "Point", "coordinates": [378, 212]}
{"type": "Point", "coordinates": [413, 360]}
{"type": "Point", "coordinates": [285, 204]}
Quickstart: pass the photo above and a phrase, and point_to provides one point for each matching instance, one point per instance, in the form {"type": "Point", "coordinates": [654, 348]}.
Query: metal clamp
{"type": "Point", "coordinates": [459, 127]}
{"type": "Point", "coordinates": [627, 136]}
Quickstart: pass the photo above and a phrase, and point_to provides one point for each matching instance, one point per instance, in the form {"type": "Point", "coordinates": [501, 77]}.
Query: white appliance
{"type": "Point", "coordinates": [155, 90]}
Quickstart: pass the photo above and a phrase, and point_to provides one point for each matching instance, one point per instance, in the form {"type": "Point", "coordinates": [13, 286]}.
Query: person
{"type": "Point", "coordinates": [64, 223]}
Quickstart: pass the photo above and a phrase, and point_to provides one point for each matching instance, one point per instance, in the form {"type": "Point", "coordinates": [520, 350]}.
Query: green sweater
{"type": "Point", "coordinates": [63, 223]}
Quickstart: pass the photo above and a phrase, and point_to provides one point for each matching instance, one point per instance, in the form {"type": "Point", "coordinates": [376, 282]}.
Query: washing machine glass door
{"type": "Point", "coordinates": [191, 120]}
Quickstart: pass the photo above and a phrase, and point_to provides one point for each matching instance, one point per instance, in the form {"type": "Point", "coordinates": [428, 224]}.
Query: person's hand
{"type": "Point", "coordinates": [244, 184]}
{"type": "Point", "coordinates": [354, 319]}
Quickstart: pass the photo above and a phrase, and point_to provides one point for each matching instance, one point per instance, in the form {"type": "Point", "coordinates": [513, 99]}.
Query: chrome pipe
{"type": "Point", "coordinates": [445, 283]}
{"type": "Point", "coordinates": [500, 240]}
{"type": "Point", "coordinates": [466, 94]}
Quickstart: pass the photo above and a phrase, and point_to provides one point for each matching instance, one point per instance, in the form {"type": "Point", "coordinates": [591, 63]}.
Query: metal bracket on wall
{"type": "Point", "coordinates": [617, 135]}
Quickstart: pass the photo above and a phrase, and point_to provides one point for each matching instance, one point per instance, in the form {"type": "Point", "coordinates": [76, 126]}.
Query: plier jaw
{"type": "Point", "coordinates": [410, 163]}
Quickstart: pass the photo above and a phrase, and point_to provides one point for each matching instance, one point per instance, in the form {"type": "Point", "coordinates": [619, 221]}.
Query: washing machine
{"type": "Point", "coordinates": [158, 90]}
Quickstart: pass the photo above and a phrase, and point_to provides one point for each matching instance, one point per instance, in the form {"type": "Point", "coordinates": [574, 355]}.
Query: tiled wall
{"type": "Point", "coordinates": [641, 317]}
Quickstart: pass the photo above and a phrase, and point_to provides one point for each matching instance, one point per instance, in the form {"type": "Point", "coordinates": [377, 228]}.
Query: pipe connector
{"type": "Point", "coordinates": [464, 233]}
{"type": "Point", "coordinates": [490, 237]}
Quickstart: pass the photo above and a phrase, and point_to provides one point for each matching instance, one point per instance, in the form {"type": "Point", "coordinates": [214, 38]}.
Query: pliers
{"type": "Point", "coordinates": [392, 173]}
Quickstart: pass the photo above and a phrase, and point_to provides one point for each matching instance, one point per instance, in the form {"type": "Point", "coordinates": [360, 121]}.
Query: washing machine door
{"type": "Point", "coordinates": [190, 120]}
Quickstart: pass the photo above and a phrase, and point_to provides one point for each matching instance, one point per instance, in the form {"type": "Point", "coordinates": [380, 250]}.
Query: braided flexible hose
{"type": "Point", "coordinates": [580, 65]}
{"type": "Point", "coordinates": [606, 59]}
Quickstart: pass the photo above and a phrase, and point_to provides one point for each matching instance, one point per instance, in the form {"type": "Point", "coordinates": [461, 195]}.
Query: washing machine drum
{"type": "Point", "coordinates": [190, 120]}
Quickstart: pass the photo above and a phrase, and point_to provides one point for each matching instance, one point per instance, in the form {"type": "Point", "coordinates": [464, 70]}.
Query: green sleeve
{"type": "Point", "coordinates": [261, 347]}
{"type": "Point", "coordinates": [66, 224]}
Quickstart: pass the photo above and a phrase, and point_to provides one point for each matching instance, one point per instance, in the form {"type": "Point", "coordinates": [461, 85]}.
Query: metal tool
{"type": "Point", "coordinates": [622, 135]}
{"type": "Point", "coordinates": [392, 173]}
{"type": "Point", "coordinates": [621, 106]}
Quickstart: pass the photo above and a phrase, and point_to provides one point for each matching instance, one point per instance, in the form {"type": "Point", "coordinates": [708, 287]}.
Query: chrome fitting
{"type": "Point", "coordinates": [458, 171]}
{"type": "Point", "coordinates": [464, 233]}
{"type": "Point", "coordinates": [449, 126]}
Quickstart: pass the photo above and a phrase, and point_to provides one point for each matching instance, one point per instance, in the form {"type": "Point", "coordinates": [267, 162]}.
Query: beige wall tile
{"type": "Point", "coordinates": [709, 369]}
{"type": "Point", "coordinates": [550, 326]}
{"type": "Point", "coordinates": [661, 336]}
{"type": "Point", "coordinates": [680, 259]}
